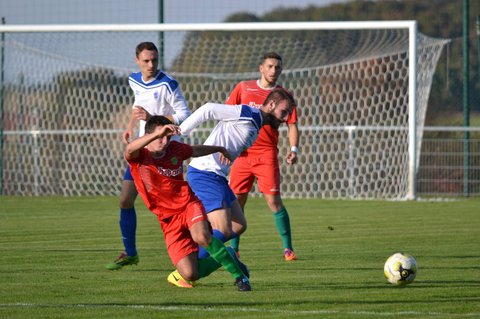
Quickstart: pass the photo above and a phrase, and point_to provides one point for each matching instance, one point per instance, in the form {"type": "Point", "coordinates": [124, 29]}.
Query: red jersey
{"type": "Point", "coordinates": [160, 182]}
{"type": "Point", "coordinates": [252, 94]}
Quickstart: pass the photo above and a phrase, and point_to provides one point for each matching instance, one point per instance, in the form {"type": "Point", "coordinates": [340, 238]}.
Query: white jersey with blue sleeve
{"type": "Point", "coordinates": [160, 96]}
{"type": "Point", "coordinates": [236, 130]}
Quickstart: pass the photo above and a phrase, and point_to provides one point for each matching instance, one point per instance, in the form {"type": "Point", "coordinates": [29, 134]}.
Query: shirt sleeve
{"type": "Point", "coordinates": [180, 106]}
{"type": "Point", "coordinates": [130, 83]}
{"type": "Point", "coordinates": [141, 155]}
{"type": "Point", "coordinates": [210, 111]}
{"type": "Point", "coordinates": [292, 118]}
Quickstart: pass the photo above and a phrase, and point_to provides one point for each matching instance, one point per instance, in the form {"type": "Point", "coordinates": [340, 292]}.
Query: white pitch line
{"type": "Point", "coordinates": [243, 309]}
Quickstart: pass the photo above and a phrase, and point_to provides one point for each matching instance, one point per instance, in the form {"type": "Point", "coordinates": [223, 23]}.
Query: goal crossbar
{"type": "Point", "coordinates": [234, 26]}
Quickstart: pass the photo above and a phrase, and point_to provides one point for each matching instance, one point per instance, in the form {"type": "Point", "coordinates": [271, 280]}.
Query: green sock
{"type": "Point", "coordinates": [206, 266]}
{"type": "Point", "coordinates": [235, 243]}
{"type": "Point", "coordinates": [220, 254]}
{"type": "Point", "coordinates": [282, 221]}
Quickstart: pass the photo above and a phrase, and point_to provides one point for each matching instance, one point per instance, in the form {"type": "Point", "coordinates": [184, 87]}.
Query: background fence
{"type": "Point", "coordinates": [442, 171]}
{"type": "Point", "coordinates": [449, 163]}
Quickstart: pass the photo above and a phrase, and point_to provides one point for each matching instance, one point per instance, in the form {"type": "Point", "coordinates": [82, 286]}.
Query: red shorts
{"type": "Point", "coordinates": [176, 231]}
{"type": "Point", "coordinates": [245, 168]}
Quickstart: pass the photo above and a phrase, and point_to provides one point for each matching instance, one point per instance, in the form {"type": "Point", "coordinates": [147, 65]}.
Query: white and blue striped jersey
{"type": "Point", "coordinates": [236, 130]}
{"type": "Point", "coordinates": [160, 96]}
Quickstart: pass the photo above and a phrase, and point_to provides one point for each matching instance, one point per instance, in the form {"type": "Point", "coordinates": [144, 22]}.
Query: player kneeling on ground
{"type": "Point", "coordinates": [157, 170]}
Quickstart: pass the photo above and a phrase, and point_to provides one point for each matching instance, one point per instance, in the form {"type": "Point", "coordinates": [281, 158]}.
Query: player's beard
{"type": "Point", "coordinates": [271, 120]}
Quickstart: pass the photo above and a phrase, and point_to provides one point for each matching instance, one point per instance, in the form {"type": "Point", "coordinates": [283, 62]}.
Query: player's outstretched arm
{"type": "Point", "coordinates": [203, 150]}
{"type": "Point", "coordinates": [209, 111]}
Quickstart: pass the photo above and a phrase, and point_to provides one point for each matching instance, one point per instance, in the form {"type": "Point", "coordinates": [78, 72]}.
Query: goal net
{"type": "Point", "coordinates": [65, 100]}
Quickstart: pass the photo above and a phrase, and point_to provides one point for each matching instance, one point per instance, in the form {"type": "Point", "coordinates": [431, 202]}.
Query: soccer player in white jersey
{"type": "Point", "coordinates": [236, 130]}
{"type": "Point", "coordinates": [156, 93]}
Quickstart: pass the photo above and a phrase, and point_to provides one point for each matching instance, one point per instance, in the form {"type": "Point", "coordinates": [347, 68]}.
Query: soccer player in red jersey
{"type": "Point", "coordinates": [157, 171]}
{"type": "Point", "coordinates": [260, 161]}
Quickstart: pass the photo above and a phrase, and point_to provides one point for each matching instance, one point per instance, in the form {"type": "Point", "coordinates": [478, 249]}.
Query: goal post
{"type": "Point", "coordinates": [360, 114]}
{"type": "Point", "coordinates": [412, 111]}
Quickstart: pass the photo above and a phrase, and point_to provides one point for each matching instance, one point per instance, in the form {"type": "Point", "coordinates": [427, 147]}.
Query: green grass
{"type": "Point", "coordinates": [53, 251]}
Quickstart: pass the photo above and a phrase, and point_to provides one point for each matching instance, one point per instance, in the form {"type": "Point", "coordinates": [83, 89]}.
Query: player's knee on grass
{"type": "Point", "coordinates": [189, 274]}
{"type": "Point", "coordinates": [188, 267]}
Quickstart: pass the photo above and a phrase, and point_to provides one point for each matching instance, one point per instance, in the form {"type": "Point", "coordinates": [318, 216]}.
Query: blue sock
{"type": "Point", "coordinates": [218, 234]}
{"type": "Point", "coordinates": [128, 227]}
{"type": "Point", "coordinates": [202, 253]}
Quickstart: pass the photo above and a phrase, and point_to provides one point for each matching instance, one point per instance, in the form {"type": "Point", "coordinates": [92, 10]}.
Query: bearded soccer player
{"type": "Point", "coordinates": [260, 161]}
{"type": "Point", "coordinates": [237, 129]}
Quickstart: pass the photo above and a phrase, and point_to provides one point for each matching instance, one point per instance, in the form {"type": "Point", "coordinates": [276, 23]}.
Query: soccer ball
{"type": "Point", "coordinates": [400, 269]}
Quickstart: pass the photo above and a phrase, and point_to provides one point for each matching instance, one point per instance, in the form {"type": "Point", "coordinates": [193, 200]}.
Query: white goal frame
{"type": "Point", "coordinates": [411, 26]}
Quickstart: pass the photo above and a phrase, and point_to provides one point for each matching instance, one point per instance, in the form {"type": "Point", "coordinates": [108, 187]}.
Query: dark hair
{"type": "Point", "coordinates": [278, 95]}
{"type": "Point", "coordinates": [154, 121]}
{"type": "Point", "coordinates": [145, 46]}
{"type": "Point", "coordinates": [271, 55]}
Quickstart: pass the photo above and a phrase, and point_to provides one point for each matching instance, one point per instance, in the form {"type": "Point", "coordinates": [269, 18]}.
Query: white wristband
{"type": "Point", "coordinates": [294, 149]}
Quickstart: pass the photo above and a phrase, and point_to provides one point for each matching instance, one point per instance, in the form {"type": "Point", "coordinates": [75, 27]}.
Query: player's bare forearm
{"type": "Point", "coordinates": [293, 137]}
{"type": "Point", "coordinates": [127, 134]}
{"type": "Point", "coordinates": [293, 134]}
{"type": "Point", "coordinates": [133, 148]}
{"type": "Point", "coordinates": [203, 150]}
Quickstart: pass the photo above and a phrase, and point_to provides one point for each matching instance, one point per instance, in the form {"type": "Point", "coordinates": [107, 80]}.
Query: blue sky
{"type": "Point", "coordinates": [138, 11]}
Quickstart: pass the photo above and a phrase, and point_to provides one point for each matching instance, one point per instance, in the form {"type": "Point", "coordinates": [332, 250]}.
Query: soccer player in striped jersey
{"type": "Point", "coordinates": [156, 93]}
{"type": "Point", "coordinates": [156, 164]}
{"type": "Point", "coordinates": [260, 161]}
{"type": "Point", "coordinates": [237, 129]}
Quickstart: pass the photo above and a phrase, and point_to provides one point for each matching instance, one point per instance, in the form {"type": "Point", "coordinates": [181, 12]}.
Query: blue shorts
{"type": "Point", "coordinates": [128, 175]}
{"type": "Point", "coordinates": [210, 188]}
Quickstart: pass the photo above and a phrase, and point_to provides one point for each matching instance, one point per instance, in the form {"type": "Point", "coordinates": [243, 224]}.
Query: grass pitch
{"type": "Point", "coordinates": [53, 252]}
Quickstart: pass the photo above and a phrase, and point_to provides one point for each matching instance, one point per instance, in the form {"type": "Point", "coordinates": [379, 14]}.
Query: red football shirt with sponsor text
{"type": "Point", "coordinates": [160, 182]}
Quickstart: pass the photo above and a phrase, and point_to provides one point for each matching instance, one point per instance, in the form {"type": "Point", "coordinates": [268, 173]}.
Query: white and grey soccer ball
{"type": "Point", "coordinates": [400, 269]}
